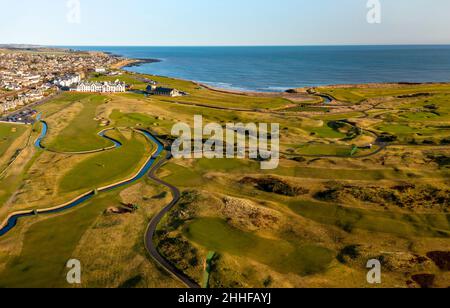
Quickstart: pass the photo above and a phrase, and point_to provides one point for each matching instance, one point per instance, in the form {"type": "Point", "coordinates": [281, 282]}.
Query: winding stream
{"type": "Point", "coordinates": [12, 220]}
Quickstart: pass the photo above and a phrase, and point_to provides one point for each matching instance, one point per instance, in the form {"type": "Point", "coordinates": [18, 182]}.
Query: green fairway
{"type": "Point", "coordinates": [138, 119]}
{"type": "Point", "coordinates": [343, 94]}
{"type": "Point", "coordinates": [81, 134]}
{"type": "Point", "coordinates": [182, 176]}
{"type": "Point", "coordinates": [131, 119]}
{"type": "Point", "coordinates": [215, 234]}
{"type": "Point", "coordinates": [326, 132]}
{"type": "Point", "coordinates": [324, 149]}
{"type": "Point", "coordinates": [424, 225]}
{"type": "Point", "coordinates": [49, 244]}
{"type": "Point", "coordinates": [108, 167]}
{"type": "Point", "coordinates": [357, 95]}
{"type": "Point", "coordinates": [9, 133]}
{"type": "Point", "coordinates": [397, 129]}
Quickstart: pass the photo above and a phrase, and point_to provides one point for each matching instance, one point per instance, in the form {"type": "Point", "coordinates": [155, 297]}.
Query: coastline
{"type": "Point", "coordinates": [294, 91]}
{"type": "Point", "coordinates": [132, 62]}
{"type": "Point", "coordinates": [129, 62]}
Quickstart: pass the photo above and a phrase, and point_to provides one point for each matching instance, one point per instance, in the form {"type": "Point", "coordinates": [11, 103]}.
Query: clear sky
{"type": "Point", "coordinates": [224, 22]}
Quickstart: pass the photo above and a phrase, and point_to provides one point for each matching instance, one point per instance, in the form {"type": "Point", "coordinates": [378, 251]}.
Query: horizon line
{"type": "Point", "coordinates": [230, 45]}
{"type": "Point", "coordinates": [268, 45]}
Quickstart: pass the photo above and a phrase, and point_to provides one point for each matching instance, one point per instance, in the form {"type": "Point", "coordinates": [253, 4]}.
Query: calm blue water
{"type": "Point", "coordinates": [281, 68]}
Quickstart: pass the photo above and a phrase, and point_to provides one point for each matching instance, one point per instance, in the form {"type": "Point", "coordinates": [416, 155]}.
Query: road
{"type": "Point", "coordinates": [151, 229]}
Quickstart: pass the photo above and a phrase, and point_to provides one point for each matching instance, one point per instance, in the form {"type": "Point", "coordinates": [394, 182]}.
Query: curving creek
{"type": "Point", "coordinates": [12, 220]}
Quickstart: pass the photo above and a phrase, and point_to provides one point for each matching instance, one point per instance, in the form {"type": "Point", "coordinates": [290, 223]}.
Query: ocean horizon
{"type": "Point", "coordinates": [279, 68]}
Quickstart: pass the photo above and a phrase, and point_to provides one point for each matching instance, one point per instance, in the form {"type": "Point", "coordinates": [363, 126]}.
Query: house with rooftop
{"type": "Point", "coordinates": [162, 91]}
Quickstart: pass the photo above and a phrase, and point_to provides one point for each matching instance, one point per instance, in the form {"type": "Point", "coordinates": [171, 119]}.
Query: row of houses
{"type": "Point", "coordinates": [15, 81]}
{"type": "Point", "coordinates": [101, 87]}
{"type": "Point", "coordinates": [19, 100]}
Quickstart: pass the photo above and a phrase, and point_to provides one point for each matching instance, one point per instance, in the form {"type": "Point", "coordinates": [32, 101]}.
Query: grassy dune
{"type": "Point", "coordinates": [49, 244]}
{"type": "Point", "coordinates": [407, 225]}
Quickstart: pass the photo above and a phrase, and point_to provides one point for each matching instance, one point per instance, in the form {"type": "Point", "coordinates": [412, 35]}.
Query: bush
{"type": "Point", "coordinates": [351, 251]}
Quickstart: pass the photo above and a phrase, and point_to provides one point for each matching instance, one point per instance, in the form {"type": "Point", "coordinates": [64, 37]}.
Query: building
{"type": "Point", "coordinates": [8, 105]}
{"type": "Point", "coordinates": [21, 99]}
{"type": "Point", "coordinates": [100, 70]}
{"type": "Point", "coordinates": [155, 90]}
{"type": "Point", "coordinates": [67, 80]}
{"type": "Point", "coordinates": [101, 87]}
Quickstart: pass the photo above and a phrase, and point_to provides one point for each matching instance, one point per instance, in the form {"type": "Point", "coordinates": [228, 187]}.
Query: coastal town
{"type": "Point", "coordinates": [27, 76]}
{"type": "Point", "coordinates": [30, 76]}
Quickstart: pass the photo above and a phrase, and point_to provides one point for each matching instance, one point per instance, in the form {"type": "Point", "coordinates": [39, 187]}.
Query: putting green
{"type": "Point", "coordinates": [215, 234]}
{"type": "Point", "coordinates": [326, 132]}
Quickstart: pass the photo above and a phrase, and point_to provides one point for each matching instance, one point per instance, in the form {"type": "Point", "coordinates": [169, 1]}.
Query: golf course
{"type": "Point", "coordinates": [362, 176]}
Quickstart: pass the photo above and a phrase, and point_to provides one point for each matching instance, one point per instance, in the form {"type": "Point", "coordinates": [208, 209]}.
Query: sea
{"type": "Point", "coordinates": [276, 69]}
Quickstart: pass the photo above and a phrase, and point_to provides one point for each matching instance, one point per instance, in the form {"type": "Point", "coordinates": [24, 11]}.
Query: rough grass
{"type": "Point", "coordinates": [49, 244]}
{"type": "Point", "coordinates": [8, 134]}
{"type": "Point", "coordinates": [240, 167]}
{"type": "Point", "coordinates": [324, 149]}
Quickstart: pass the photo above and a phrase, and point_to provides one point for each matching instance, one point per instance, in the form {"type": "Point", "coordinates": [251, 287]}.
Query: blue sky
{"type": "Point", "coordinates": [224, 22]}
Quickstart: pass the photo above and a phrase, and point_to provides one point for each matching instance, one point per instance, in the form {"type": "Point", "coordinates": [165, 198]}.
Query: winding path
{"type": "Point", "coordinates": [13, 218]}
{"type": "Point", "coordinates": [152, 227]}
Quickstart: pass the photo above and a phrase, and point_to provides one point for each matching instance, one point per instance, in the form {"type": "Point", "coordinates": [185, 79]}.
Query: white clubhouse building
{"type": "Point", "coordinates": [101, 87]}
